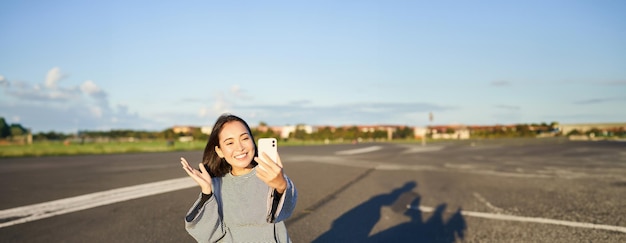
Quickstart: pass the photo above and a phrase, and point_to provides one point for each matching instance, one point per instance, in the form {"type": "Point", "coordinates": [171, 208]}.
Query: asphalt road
{"type": "Point", "coordinates": [518, 190]}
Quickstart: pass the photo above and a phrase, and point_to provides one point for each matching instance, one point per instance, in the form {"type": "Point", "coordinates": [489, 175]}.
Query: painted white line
{"type": "Point", "coordinates": [421, 149]}
{"type": "Point", "coordinates": [33, 212]}
{"type": "Point", "coordinates": [359, 151]}
{"type": "Point", "coordinates": [529, 219]}
{"type": "Point", "coordinates": [489, 205]}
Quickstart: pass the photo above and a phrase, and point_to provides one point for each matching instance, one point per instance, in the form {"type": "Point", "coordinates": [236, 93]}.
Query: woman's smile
{"type": "Point", "coordinates": [241, 156]}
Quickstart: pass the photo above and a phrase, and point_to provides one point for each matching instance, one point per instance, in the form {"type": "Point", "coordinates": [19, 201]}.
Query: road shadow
{"type": "Point", "coordinates": [356, 224]}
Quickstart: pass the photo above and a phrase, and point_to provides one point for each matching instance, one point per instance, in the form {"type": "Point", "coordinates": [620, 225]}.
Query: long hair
{"type": "Point", "coordinates": [216, 166]}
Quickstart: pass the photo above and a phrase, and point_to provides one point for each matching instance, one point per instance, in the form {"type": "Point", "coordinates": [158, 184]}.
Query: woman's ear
{"type": "Point", "coordinates": [218, 150]}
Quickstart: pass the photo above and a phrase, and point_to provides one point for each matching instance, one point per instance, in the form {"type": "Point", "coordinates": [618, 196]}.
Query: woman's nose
{"type": "Point", "coordinates": [240, 146]}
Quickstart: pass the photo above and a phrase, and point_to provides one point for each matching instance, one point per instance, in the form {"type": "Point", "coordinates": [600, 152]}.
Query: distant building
{"type": "Point", "coordinates": [449, 132]}
{"type": "Point", "coordinates": [491, 128]}
{"type": "Point", "coordinates": [420, 132]}
{"type": "Point", "coordinates": [286, 130]}
{"type": "Point", "coordinates": [183, 129]}
{"type": "Point", "coordinates": [389, 129]}
{"type": "Point", "coordinates": [206, 130]}
{"type": "Point", "coordinates": [583, 128]}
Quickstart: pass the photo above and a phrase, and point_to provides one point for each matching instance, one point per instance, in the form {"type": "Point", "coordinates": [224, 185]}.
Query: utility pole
{"type": "Point", "coordinates": [430, 121]}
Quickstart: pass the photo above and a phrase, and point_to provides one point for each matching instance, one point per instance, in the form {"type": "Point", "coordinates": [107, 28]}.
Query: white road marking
{"type": "Point", "coordinates": [528, 219]}
{"type": "Point", "coordinates": [411, 149]}
{"type": "Point", "coordinates": [33, 212]}
{"type": "Point", "coordinates": [489, 205]}
{"type": "Point", "coordinates": [359, 151]}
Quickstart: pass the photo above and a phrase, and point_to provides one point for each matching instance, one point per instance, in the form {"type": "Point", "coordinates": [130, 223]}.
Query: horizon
{"type": "Point", "coordinates": [68, 66]}
{"type": "Point", "coordinates": [322, 125]}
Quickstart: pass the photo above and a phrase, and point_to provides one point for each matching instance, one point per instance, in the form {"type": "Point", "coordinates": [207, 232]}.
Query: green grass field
{"type": "Point", "coordinates": [58, 148]}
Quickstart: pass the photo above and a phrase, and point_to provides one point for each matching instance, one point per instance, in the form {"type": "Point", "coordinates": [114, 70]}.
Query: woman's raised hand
{"type": "Point", "coordinates": [271, 172]}
{"type": "Point", "coordinates": [201, 176]}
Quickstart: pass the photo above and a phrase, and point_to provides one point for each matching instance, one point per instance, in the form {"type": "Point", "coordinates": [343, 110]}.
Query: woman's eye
{"type": "Point", "coordinates": [229, 143]}
{"type": "Point", "coordinates": [246, 138]}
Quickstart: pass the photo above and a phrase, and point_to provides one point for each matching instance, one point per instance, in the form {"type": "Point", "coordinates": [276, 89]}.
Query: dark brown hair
{"type": "Point", "coordinates": [216, 166]}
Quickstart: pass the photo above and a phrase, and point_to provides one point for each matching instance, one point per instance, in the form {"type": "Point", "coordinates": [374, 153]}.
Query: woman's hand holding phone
{"type": "Point", "coordinates": [270, 168]}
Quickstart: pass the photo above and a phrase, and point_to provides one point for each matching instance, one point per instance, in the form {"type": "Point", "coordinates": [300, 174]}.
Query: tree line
{"type": "Point", "coordinates": [326, 133]}
{"type": "Point", "coordinates": [336, 133]}
{"type": "Point", "coordinates": [9, 130]}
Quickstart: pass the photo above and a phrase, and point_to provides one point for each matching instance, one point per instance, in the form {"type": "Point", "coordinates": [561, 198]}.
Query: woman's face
{"type": "Point", "coordinates": [236, 146]}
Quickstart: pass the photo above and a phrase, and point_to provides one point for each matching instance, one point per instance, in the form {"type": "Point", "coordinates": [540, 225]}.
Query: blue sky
{"type": "Point", "coordinates": [77, 65]}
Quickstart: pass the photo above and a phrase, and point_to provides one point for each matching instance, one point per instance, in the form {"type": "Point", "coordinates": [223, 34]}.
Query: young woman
{"type": "Point", "coordinates": [245, 198]}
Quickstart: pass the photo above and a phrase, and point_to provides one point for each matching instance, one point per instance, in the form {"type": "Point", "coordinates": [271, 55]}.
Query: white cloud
{"type": "Point", "coordinates": [3, 81]}
{"type": "Point", "coordinates": [411, 113]}
{"type": "Point", "coordinates": [53, 76]}
{"type": "Point", "coordinates": [22, 91]}
{"type": "Point", "coordinates": [90, 88]}
{"type": "Point", "coordinates": [61, 95]}
{"type": "Point", "coordinates": [239, 93]}
{"type": "Point", "coordinates": [221, 105]}
{"type": "Point", "coordinates": [66, 108]}
{"type": "Point", "coordinates": [235, 88]}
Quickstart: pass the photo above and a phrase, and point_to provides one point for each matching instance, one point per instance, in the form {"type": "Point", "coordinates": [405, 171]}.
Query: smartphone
{"type": "Point", "coordinates": [268, 146]}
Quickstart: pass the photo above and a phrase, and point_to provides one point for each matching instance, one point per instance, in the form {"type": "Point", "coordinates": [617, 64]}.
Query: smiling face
{"type": "Point", "coordinates": [236, 146]}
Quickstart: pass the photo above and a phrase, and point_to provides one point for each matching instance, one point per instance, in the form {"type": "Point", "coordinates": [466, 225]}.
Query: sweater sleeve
{"type": "Point", "coordinates": [203, 221]}
{"type": "Point", "coordinates": [280, 206]}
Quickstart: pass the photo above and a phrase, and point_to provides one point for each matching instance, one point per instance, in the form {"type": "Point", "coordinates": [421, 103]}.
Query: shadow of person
{"type": "Point", "coordinates": [406, 232]}
{"type": "Point", "coordinates": [356, 224]}
{"type": "Point", "coordinates": [433, 230]}
{"type": "Point", "coordinates": [456, 225]}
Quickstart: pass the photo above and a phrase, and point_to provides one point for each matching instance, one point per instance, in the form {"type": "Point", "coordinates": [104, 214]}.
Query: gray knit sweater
{"type": "Point", "coordinates": [241, 209]}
